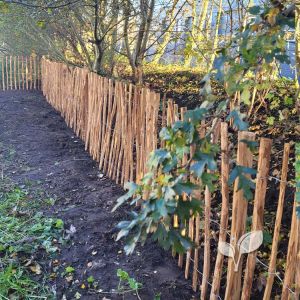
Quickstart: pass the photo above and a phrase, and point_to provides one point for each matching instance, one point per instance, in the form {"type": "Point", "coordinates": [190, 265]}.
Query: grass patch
{"type": "Point", "coordinates": [27, 237]}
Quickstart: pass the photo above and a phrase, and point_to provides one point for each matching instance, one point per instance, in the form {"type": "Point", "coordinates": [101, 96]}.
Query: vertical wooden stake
{"type": "Point", "coordinates": [22, 68]}
{"type": "Point", "coordinates": [297, 275]}
{"type": "Point", "coordinates": [273, 257]}
{"type": "Point", "coordinates": [26, 73]}
{"type": "Point", "coordinates": [10, 73]}
{"type": "Point", "coordinates": [207, 233]}
{"type": "Point", "coordinates": [290, 268]}
{"type": "Point", "coordinates": [34, 72]}
{"type": "Point", "coordinates": [38, 73]}
{"type": "Point", "coordinates": [258, 210]}
{"type": "Point", "coordinates": [15, 72]}
{"type": "Point", "coordinates": [19, 75]}
{"type": "Point", "coordinates": [239, 216]}
{"type": "Point", "coordinates": [3, 74]}
{"type": "Point", "coordinates": [224, 210]}
{"type": "Point", "coordinates": [197, 227]}
{"type": "Point", "coordinates": [30, 72]}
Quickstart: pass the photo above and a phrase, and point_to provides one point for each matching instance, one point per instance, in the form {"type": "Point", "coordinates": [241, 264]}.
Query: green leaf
{"type": "Point", "coordinates": [122, 233]}
{"type": "Point", "coordinates": [244, 183]}
{"type": "Point", "coordinates": [221, 107]}
{"type": "Point", "coordinates": [196, 115]}
{"type": "Point", "coordinates": [288, 101]}
{"type": "Point", "coordinates": [298, 212]}
{"type": "Point", "coordinates": [132, 188]}
{"type": "Point", "coordinates": [184, 187]}
{"type": "Point", "coordinates": [157, 157]}
{"type": "Point", "coordinates": [122, 274]}
{"type": "Point", "coordinates": [198, 168]}
{"type": "Point", "coordinates": [41, 24]}
{"type": "Point", "coordinates": [208, 179]}
{"type": "Point", "coordinates": [245, 96]}
{"type": "Point", "coordinates": [270, 120]}
{"type": "Point", "coordinates": [160, 208]}
{"type": "Point", "coordinates": [238, 122]}
{"type": "Point", "coordinates": [267, 238]}
{"type": "Point", "coordinates": [252, 145]}
{"type": "Point", "coordinates": [69, 270]}
{"type": "Point", "coordinates": [254, 10]}
{"type": "Point", "coordinates": [91, 279]}
{"type": "Point", "coordinates": [59, 224]}
{"type": "Point", "coordinates": [240, 170]}
{"type": "Point", "coordinates": [165, 134]}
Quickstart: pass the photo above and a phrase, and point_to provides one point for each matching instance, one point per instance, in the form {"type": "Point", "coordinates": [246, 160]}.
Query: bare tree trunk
{"type": "Point", "coordinates": [99, 53]}
{"type": "Point", "coordinates": [209, 23]}
{"type": "Point", "coordinates": [98, 47]}
{"type": "Point", "coordinates": [197, 33]}
{"type": "Point", "coordinates": [137, 56]}
{"type": "Point", "coordinates": [216, 38]}
{"type": "Point", "coordinates": [168, 34]}
{"type": "Point", "coordinates": [190, 45]}
{"type": "Point", "coordinates": [113, 38]}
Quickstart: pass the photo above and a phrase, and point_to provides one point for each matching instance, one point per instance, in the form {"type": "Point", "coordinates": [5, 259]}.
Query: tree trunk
{"type": "Point", "coordinates": [190, 45]}
{"type": "Point", "coordinates": [202, 19]}
{"type": "Point", "coordinates": [137, 71]}
{"type": "Point", "coordinates": [216, 38]}
{"type": "Point", "coordinates": [99, 53]}
{"type": "Point", "coordinates": [167, 36]}
{"type": "Point", "coordinates": [197, 34]}
{"type": "Point", "coordinates": [113, 38]}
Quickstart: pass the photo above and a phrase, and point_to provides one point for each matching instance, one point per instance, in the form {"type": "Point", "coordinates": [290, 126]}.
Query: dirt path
{"type": "Point", "coordinates": [48, 155]}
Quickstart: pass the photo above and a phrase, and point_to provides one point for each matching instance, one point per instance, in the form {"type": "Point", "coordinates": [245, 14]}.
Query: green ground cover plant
{"type": "Point", "coordinates": [24, 235]}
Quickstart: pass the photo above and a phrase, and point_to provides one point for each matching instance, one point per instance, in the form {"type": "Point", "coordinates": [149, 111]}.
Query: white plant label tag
{"type": "Point", "coordinates": [247, 243]}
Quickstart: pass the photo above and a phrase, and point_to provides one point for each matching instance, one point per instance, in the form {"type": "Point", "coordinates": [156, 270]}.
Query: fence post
{"type": "Point", "coordinates": [207, 213]}
{"type": "Point", "coordinates": [15, 71]}
{"type": "Point", "coordinates": [273, 257]}
{"type": "Point", "coordinates": [18, 72]}
{"type": "Point", "coordinates": [26, 72]}
{"type": "Point", "coordinates": [3, 75]}
{"type": "Point", "coordinates": [224, 210]}
{"type": "Point", "coordinates": [290, 268]}
{"type": "Point", "coordinates": [258, 209]}
{"type": "Point", "coordinates": [6, 72]}
{"type": "Point", "coordinates": [10, 72]}
{"type": "Point", "coordinates": [239, 215]}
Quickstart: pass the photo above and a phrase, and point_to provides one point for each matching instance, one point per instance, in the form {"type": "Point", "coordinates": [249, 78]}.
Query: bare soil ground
{"type": "Point", "coordinates": [46, 153]}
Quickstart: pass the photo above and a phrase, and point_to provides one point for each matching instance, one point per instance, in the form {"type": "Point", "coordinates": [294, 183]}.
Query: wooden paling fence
{"type": "Point", "coordinates": [119, 125]}
{"type": "Point", "coordinates": [209, 270]}
{"type": "Point", "coordinates": [117, 121]}
{"type": "Point", "coordinates": [20, 73]}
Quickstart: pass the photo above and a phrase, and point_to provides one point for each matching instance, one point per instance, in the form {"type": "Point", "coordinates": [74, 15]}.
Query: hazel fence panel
{"type": "Point", "coordinates": [207, 273]}
{"type": "Point", "coordinates": [20, 73]}
{"type": "Point", "coordinates": [119, 123]}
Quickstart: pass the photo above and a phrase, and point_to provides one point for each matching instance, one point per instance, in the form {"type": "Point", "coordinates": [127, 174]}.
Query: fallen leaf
{"type": "Point", "coordinates": [55, 262]}
{"type": "Point", "coordinates": [69, 278]}
{"type": "Point", "coordinates": [71, 231]}
{"type": "Point", "coordinates": [36, 268]}
{"type": "Point", "coordinates": [297, 129]}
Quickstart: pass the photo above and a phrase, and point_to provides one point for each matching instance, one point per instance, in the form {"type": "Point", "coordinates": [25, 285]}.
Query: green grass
{"type": "Point", "coordinates": [23, 232]}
